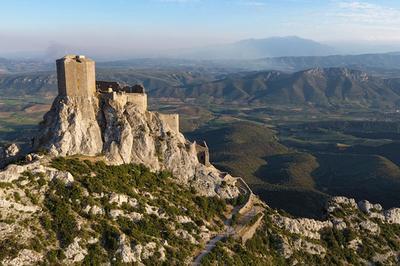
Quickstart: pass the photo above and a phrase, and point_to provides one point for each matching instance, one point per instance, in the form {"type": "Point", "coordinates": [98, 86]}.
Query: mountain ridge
{"type": "Point", "coordinates": [323, 87]}
{"type": "Point", "coordinates": [254, 48]}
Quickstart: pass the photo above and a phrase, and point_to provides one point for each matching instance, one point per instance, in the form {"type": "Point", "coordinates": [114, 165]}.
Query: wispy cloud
{"type": "Point", "coordinates": [179, 1]}
{"type": "Point", "coordinates": [368, 13]}
{"type": "Point", "coordinates": [253, 3]}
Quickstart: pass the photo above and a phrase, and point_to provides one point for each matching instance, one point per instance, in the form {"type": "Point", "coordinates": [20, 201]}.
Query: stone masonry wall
{"type": "Point", "coordinates": [76, 76]}
{"type": "Point", "coordinates": [172, 120]}
{"type": "Point", "coordinates": [139, 99]}
{"type": "Point", "coordinates": [122, 98]}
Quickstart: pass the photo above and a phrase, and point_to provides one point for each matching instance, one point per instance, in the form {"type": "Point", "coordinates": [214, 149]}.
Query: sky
{"type": "Point", "coordinates": [151, 27]}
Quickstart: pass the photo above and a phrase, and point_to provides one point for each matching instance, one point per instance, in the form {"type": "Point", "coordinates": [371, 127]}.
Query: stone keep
{"type": "Point", "coordinates": [76, 76]}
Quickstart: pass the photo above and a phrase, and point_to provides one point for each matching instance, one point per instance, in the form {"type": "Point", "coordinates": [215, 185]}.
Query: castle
{"type": "Point", "coordinates": [77, 78]}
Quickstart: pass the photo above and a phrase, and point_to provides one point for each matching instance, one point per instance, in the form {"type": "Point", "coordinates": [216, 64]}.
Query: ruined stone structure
{"type": "Point", "coordinates": [172, 120]}
{"type": "Point", "coordinates": [105, 86]}
{"type": "Point", "coordinates": [203, 154]}
{"type": "Point", "coordinates": [139, 99]}
{"type": "Point", "coordinates": [76, 76]}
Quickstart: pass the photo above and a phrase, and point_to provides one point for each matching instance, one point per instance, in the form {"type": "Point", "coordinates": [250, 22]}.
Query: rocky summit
{"type": "Point", "coordinates": [114, 123]}
{"type": "Point", "coordinates": [109, 182]}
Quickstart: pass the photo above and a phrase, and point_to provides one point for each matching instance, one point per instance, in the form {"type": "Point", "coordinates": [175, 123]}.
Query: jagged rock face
{"type": "Point", "coordinates": [131, 135]}
{"type": "Point", "coordinates": [123, 133]}
{"type": "Point", "coordinates": [71, 127]}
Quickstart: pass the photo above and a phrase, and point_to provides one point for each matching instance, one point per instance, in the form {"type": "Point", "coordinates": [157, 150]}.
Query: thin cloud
{"type": "Point", "coordinates": [253, 3]}
{"type": "Point", "coordinates": [179, 1]}
{"type": "Point", "coordinates": [368, 13]}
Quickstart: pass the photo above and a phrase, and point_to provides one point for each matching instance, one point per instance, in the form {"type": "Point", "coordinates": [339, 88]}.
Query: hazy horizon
{"type": "Point", "coordinates": [151, 28]}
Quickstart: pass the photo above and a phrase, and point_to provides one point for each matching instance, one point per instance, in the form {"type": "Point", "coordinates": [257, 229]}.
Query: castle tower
{"type": "Point", "coordinates": [76, 76]}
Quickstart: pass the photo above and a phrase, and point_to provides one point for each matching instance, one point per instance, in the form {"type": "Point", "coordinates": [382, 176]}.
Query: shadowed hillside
{"type": "Point", "coordinates": [360, 176]}
{"type": "Point", "coordinates": [245, 149]}
{"type": "Point", "coordinates": [286, 178]}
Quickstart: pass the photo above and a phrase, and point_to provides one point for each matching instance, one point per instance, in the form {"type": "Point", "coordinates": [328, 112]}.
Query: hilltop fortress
{"type": "Point", "coordinates": [111, 119]}
{"type": "Point", "coordinates": [77, 78]}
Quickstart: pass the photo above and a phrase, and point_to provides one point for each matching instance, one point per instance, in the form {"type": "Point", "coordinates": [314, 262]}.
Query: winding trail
{"type": "Point", "coordinates": [229, 231]}
{"type": "Point", "coordinates": [213, 242]}
{"type": "Point", "coordinates": [208, 248]}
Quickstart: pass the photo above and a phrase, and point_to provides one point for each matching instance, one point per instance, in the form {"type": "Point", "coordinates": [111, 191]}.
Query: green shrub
{"type": "Point", "coordinates": [109, 237]}
{"type": "Point", "coordinates": [17, 197]}
{"type": "Point", "coordinates": [210, 206]}
{"type": "Point", "coordinates": [95, 256]}
{"type": "Point", "coordinates": [57, 201]}
{"type": "Point", "coordinates": [55, 255]}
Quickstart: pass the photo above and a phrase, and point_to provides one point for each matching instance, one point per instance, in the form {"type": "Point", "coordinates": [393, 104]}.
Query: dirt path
{"type": "Point", "coordinates": [229, 229]}
{"type": "Point", "coordinates": [208, 248]}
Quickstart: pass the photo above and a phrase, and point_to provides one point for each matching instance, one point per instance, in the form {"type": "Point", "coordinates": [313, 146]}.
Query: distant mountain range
{"type": "Point", "coordinates": [319, 87]}
{"type": "Point", "coordinates": [20, 66]}
{"type": "Point", "coordinates": [324, 87]}
{"type": "Point", "coordinates": [379, 64]}
{"type": "Point", "coordinates": [261, 48]}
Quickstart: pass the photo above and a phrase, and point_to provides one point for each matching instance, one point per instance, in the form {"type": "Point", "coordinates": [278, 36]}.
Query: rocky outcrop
{"type": "Point", "coordinates": [393, 216]}
{"type": "Point", "coordinates": [9, 151]}
{"type": "Point", "coordinates": [25, 257]}
{"type": "Point", "coordinates": [71, 127]}
{"type": "Point", "coordinates": [348, 225]}
{"type": "Point", "coordinates": [138, 253]}
{"type": "Point", "coordinates": [8, 154]}
{"type": "Point", "coordinates": [95, 126]}
{"type": "Point", "coordinates": [74, 252]}
{"type": "Point", "coordinates": [134, 135]}
{"type": "Point", "coordinates": [306, 227]}
{"type": "Point", "coordinates": [288, 247]}
{"type": "Point", "coordinates": [367, 207]}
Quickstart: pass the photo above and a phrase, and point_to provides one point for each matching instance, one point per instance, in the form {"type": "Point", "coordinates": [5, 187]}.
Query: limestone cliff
{"type": "Point", "coordinates": [123, 133]}
{"type": "Point", "coordinates": [71, 127]}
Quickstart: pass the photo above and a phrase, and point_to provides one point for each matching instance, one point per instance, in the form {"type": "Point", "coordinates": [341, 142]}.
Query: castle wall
{"type": "Point", "coordinates": [139, 99]}
{"type": "Point", "coordinates": [103, 86]}
{"type": "Point", "coordinates": [172, 120]}
{"type": "Point", "coordinates": [76, 76]}
{"type": "Point", "coordinates": [122, 98]}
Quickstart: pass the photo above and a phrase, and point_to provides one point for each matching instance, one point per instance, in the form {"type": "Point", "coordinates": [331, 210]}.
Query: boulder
{"type": "Point", "coordinates": [392, 216]}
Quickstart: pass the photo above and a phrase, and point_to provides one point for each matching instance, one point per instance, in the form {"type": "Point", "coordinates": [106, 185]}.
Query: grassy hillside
{"type": "Point", "coordinates": [100, 212]}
